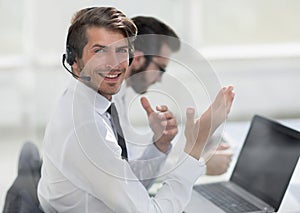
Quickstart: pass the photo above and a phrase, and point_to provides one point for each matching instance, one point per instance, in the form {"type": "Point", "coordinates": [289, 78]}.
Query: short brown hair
{"type": "Point", "coordinates": [107, 17]}
{"type": "Point", "coordinates": [150, 25]}
{"type": "Point", "coordinates": [152, 44]}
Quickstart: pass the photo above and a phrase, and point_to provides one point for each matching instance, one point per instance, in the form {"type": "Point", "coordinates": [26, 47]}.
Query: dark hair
{"type": "Point", "coordinates": [150, 25]}
{"type": "Point", "coordinates": [107, 17]}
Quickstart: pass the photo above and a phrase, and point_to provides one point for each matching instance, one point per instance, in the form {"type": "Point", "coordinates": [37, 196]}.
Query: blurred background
{"type": "Point", "coordinates": [253, 45]}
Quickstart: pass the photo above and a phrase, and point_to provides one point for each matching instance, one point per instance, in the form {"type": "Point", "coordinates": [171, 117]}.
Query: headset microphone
{"type": "Point", "coordinates": [86, 78]}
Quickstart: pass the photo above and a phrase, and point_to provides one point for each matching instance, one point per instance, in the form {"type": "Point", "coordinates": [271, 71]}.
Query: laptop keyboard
{"type": "Point", "coordinates": [225, 199]}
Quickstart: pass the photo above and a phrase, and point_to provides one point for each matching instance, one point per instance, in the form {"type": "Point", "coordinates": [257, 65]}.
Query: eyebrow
{"type": "Point", "coordinates": [103, 46]}
{"type": "Point", "coordinates": [121, 47]}
{"type": "Point", "coordinates": [98, 45]}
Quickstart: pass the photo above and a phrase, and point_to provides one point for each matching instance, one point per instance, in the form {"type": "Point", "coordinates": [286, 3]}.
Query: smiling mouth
{"type": "Point", "coordinates": [110, 76]}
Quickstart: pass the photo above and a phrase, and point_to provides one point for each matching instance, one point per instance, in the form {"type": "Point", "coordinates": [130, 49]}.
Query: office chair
{"type": "Point", "coordinates": [22, 195]}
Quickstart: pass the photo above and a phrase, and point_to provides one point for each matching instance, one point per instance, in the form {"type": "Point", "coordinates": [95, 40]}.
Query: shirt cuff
{"type": "Point", "coordinates": [153, 152]}
{"type": "Point", "coordinates": [190, 168]}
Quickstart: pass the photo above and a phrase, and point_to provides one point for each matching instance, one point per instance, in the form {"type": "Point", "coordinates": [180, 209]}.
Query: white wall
{"type": "Point", "coordinates": [32, 81]}
{"type": "Point", "coordinates": [265, 86]}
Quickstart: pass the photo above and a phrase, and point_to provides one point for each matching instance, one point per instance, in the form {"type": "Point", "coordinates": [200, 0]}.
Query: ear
{"type": "Point", "coordinates": [138, 60]}
{"type": "Point", "coordinates": [76, 67]}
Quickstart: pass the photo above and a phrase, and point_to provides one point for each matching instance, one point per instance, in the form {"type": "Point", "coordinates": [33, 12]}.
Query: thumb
{"type": "Point", "coordinates": [190, 113]}
{"type": "Point", "coordinates": [146, 105]}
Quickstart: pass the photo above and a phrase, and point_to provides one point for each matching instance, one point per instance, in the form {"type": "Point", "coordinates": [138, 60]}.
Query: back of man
{"type": "Point", "coordinates": [83, 170]}
{"type": "Point", "coordinates": [155, 43]}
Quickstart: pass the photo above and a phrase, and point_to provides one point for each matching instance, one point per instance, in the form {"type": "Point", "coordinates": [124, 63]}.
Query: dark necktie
{"type": "Point", "coordinates": [112, 110]}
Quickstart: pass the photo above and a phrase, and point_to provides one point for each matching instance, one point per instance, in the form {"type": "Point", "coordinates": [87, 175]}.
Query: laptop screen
{"type": "Point", "coordinates": [267, 160]}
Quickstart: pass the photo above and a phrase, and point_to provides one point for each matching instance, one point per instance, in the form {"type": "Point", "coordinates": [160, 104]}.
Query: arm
{"type": "Point", "coordinates": [109, 179]}
{"type": "Point", "coordinates": [219, 162]}
{"type": "Point", "coordinates": [147, 168]}
{"type": "Point", "coordinates": [164, 126]}
{"type": "Point", "coordinates": [89, 163]}
{"type": "Point", "coordinates": [202, 129]}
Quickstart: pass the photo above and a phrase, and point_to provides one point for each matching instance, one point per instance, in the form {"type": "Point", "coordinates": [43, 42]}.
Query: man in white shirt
{"type": "Point", "coordinates": [83, 170]}
{"type": "Point", "coordinates": [148, 69]}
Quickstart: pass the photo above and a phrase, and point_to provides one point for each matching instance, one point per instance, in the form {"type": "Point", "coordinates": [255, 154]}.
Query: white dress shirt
{"type": "Point", "coordinates": [83, 170]}
{"type": "Point", "coordinates": [144, 158]}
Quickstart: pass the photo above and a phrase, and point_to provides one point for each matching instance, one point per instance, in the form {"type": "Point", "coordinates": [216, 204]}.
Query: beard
{"type": "Point", "coordinates": [138, 80]}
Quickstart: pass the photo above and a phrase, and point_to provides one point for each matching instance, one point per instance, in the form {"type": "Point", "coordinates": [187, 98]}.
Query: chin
{"type": "Point", "coordinates": [139, 90]}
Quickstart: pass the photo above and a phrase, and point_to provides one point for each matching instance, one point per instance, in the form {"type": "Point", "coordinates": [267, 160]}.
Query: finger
{"type": "Point", "coordinates": [223, 146]}
{"type": "Point", "coordinates": [230, 88]}
{"type": "Point", "coordinates": [169, 115]}
{"type": "Point", "coordinates": [173, 131]}
{"type": "Point", "coordinates": [229, 97]}
{"type": "Point", "coordinates": [161, 115]}
{"type": "Point", "coordinates": [166, 115]}
{"type": "Point", "coordinates": [169, 123]}
{"type": "Point", "coordinates": [229, 102]}
{"type": "Point", "coordinates": [220, 97]}
{"type": "Point", "coordinates": [162, 108]}
{"type": "Point", "coordinates": [225, 153]}
{"type": "Point", "coordinates": [146, 105]}
{"type": "Point", "coordinates": [190, 113]}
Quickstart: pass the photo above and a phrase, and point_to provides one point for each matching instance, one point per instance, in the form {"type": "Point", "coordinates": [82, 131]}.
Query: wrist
{"type": "Point", "coordinates": [162, 147]}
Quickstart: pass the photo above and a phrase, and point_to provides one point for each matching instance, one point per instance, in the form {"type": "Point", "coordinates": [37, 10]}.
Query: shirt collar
{"type": "Point", "coordinates": [97, 101]}
{"type": "Point", "coordinates": [121, 93]}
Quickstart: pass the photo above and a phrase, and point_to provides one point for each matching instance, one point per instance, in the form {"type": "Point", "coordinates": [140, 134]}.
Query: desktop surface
{"type": "Point", "coordinates": [235, 134]}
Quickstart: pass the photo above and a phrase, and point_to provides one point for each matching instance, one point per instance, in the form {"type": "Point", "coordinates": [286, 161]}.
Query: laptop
{"type": "Point", "coordinates": [261, 175]}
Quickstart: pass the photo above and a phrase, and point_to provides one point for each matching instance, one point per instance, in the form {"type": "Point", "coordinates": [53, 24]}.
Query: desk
{"type": "Point", "coordinates": [235, 132]}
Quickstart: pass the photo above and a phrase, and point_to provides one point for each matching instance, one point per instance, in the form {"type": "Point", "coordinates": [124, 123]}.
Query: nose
{"type": "Point", "coordinates": [112, 60]}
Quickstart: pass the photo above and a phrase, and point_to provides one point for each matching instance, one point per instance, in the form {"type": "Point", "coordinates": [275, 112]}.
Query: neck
{"type": "Point", "coordinates": [127, 77]}
{"type": "Point", "coordinates": [108, 97]}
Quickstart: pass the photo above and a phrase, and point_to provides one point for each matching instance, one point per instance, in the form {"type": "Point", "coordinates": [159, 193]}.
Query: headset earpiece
{"type": "Point", "coordinates": [70, 55]}
{"type": "Point", "coordinates": [131, 55]}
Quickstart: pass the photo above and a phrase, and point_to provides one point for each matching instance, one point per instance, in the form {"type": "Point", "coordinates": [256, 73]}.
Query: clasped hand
{"type": "Point", "coordinates": [163, 124]}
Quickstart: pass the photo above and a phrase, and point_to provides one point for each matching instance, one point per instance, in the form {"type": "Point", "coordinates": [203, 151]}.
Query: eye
{"type": "Point", "coordinates": [100, 50]}
{"type": "Point", "coordinates": [122, 50]}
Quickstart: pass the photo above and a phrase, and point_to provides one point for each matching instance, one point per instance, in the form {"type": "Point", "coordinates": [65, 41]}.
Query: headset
{"type": "Point", "coordinates": [70, 57]}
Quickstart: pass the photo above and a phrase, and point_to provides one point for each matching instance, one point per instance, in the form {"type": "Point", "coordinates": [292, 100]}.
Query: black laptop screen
{"type": "Point", "coordinates": [267, 160]}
